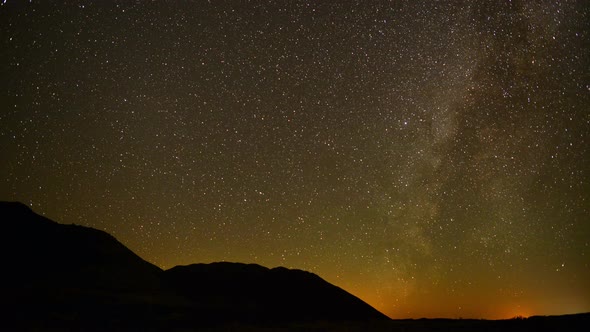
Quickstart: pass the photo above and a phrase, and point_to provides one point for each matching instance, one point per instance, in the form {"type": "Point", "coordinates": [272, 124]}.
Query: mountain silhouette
{"type": "Point", "coordinates": [68, 275]}
{"type": "Point", "coordinates": [253, 293]}
{"type": "Point", "coordinates": [68, 254]}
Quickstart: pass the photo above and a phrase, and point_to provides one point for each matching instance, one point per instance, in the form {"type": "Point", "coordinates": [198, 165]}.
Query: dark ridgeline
{"type": "Point", "coordinates": [252, 293]}
{"type": "Point", "coordinates": [68, 277]}
{"type": "Point", "coordinates": [73, 276]}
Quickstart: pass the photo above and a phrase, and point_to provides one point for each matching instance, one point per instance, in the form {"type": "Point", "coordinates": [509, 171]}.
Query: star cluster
{"type": "Point", "coordinates": [429, 157]}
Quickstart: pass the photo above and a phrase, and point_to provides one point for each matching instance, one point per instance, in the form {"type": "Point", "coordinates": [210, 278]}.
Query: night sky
{"type": "Point", "coordinates": [430, 157]}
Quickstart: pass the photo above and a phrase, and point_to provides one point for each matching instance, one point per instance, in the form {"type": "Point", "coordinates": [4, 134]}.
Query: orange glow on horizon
{"type": "Point", "coordinates": [514, 311]}
{"type": "Point", "coordinates": [440, 306]}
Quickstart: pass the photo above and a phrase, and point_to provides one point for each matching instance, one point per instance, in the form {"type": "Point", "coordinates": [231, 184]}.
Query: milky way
{"type": "Point", "coordinates": [429, 157]}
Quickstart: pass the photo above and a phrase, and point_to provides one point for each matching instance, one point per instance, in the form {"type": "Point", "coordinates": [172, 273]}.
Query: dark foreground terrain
{"type": "Point", "coordinates": [69, 278]}
{"type": "Point", "coordinates": [578, 322]}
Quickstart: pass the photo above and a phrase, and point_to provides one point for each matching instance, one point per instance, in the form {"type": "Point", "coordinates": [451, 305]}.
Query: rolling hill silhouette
{"type": "Point", "coordinates": [68, 275]}
{"type": "Point", "coordinates": [252, 293]}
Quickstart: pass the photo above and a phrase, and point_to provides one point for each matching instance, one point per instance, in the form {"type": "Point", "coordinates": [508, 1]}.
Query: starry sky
{"type": "Point", "coordinates": [430, 157]}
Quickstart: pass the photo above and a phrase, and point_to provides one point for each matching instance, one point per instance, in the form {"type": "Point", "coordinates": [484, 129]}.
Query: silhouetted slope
{"type": "Point", "coordinates": [252, 293]}
{"type": "Point", "coordinates": [58, 275]}
{"type": "Point", "coordinates": [37, 247]}
{"type": "Point", "coordinates": [61, 274]}
{"type": "Point", "coordinates": [67, 277]}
